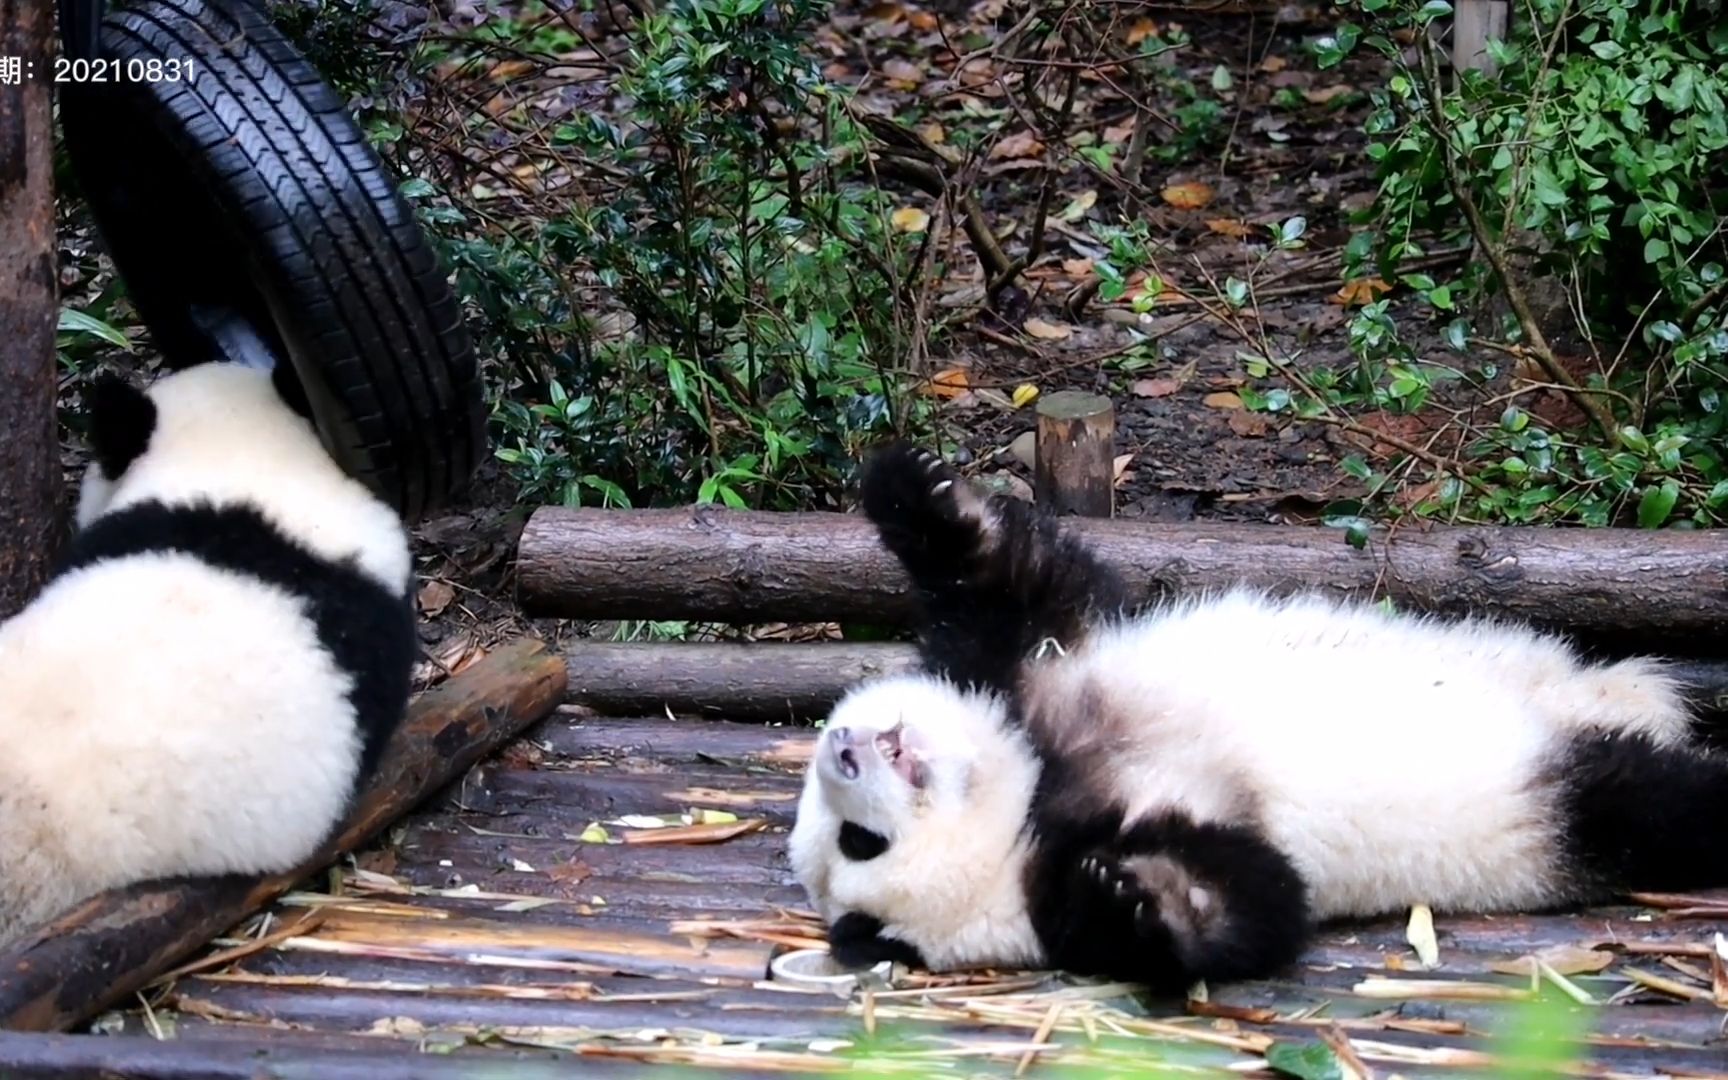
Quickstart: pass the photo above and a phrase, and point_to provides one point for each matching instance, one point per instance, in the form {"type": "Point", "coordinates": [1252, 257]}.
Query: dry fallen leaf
{"type": "Point", "coordinates": [1141, 30]}
{"type": "Point", "coordinates": [1274, 64]}
{"type": "Point", "coordinates": [1565, 959]}
{"type": "Point", "coordinates": [1230, 227]}
{"type": "Point", "coordinates": [1359, 291]}
{"type": "Point", "coordinates": [933, 134]}
{"type": "Point", "coordinates": [1077, 208]}
{"type": "Point", "coordinates": [1326, 93]}
{"type": "Point", "coordinates": [1018, 145]}
{"type": "Point", "coordinates": [434, 597]}
{"type": "Point", "coordinates": [903, 74]}
{"type": "Point", "coordinates": [1048, 331]}
{"type": "Point", "coordinates": [1223, 399]}
{"type": "Point", "coordinates": [923, 21]}
{"type": "Point", "coordinates": [1248, 425]}
{"type": "Point", "coordinates": [1420, 934]}
{"type": "Point", "coordinates": [1189, 196]}
{"type": "Point", "coordinates": [1077, 267]}
{"type": "Point", "coordinates": [1119, 467]}
{"type": "Point", "coordinates": [910, 219]}
{"type": "Point", "coordinates": [951, 382]}
{"type": "Point", "coordinates": [1024, 394]}
{"type": "Point", "coordinates": [1163, 386]}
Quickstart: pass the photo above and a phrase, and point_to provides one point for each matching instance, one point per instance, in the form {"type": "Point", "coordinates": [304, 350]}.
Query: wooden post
{"type": "Point", "coordinates": [1473, 23]}
{"type": "Point", "coordinates": [31, 525]}
{"type": "Point", "coordinates": [1076, 471]}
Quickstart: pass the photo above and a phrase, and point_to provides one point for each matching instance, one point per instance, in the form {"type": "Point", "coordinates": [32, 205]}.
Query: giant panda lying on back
{"type": "Point", "coordinates": [217, 663]}
{"type": "Point", "coordinates": [1181, 795]}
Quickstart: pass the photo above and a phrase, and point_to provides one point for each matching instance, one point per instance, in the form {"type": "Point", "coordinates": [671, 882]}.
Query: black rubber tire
{"type": "Point", "coordinates": [248, 189]}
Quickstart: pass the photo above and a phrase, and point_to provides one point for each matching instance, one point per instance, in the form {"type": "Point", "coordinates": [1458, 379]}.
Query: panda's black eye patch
{"type": "Point", "coordinates": [860, 844]}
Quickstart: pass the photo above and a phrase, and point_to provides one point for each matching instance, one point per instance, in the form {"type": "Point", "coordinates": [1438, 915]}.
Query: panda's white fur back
{"type": "Point", "coordinates": [1414, 777]}
{"type": "Point", "coordinates": [164, 715]}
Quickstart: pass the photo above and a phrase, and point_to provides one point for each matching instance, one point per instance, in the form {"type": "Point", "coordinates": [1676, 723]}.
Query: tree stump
{"type": "Point", "coordinates": [1076, 454]}
{"type": "Point", "coordinates": [31, 525]}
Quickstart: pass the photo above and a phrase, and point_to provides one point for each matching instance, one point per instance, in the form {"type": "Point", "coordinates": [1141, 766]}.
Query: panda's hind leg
{"type": "Point", "coordinates": [998, 579]}
{"type": "Point", "coordinates": [1636, 814]}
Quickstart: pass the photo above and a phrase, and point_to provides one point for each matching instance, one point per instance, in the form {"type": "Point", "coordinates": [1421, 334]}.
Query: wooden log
{"type": "Point", "coordinates": [29, 308]}
{"type": "Point", "coordinates": [754, 681]}
{"type": "Point", "coordinates": [1076, 454]}
{"type": "Point", "coordinates": [107, 948]}
{"type": "Point", "coordinates": [1662, 590]}
{"type": "Point", "coordinates": [719, 679]}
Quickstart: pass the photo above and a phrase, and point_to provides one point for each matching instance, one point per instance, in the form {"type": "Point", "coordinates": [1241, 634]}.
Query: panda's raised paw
{"type": "Point", "coordinates": [912, 489]}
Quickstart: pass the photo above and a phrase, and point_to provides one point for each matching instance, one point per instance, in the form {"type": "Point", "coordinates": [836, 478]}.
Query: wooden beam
{"type": "Point", "coordinates": [776, 681]}
{"type": "Point", "coordinates": [29, 308]}
{"type": "Point", "coordinates": [1076, 454]}
{"type": "Point", "coordinates": [107, 948]}
{"type": "Point", "coordinates": [1659, 590]}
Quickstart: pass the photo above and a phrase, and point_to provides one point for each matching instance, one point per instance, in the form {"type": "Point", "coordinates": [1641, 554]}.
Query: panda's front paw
{"type": "Point", "coordinates": [910, 488]}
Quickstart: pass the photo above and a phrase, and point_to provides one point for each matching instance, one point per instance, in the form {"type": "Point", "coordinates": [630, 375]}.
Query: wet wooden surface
{"type": "Point", "coordinates": [508, 922]}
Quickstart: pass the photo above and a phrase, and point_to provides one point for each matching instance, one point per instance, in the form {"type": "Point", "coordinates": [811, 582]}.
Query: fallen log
{"type": "Point", "coordinates": [1665, 591]}
{"type": "Point", "coordinates": [736, 681]}
{"type": "Point", "coordinates": [780, 681]}
{"type": "Point", "coordinates": [112, 945]}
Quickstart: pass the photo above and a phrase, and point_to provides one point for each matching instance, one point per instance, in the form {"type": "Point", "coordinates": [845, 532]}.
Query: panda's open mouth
{"type": "Point", "coordinates": [891, 744]}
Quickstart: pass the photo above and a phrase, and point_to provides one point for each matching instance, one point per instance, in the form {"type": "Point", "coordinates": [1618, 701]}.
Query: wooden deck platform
{"type": "Point", "coordinates": [530, 917]}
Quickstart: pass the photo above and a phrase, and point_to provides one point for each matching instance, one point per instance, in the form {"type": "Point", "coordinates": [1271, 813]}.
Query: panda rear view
{"type": "Point", "coordinates": [1183, 793]}
{"type": "Point", "coordinates": [217, 663]}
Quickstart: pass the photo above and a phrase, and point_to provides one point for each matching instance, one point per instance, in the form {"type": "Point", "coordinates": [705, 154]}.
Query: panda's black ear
{"type": "Point", "coordinates": [122, 419]}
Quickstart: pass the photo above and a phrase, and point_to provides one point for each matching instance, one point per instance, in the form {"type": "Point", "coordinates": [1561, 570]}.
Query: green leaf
{"type": "Point", "coordinates": [1355, 466]}
{"type": "Point", "coordinates": [1657, 504]}
{"type": "Point", "coordinates": [1305, 1061]}
{"type": "Point", "coordinates": [73, 321]}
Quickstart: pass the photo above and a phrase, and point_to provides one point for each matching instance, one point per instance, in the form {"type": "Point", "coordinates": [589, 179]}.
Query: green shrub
{"type": "Point", "coordinates": [1595, 155]}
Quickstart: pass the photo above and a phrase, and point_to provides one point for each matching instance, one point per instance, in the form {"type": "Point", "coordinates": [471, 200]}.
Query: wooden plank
{"type": "Point", "coordinates": [575, 797]}
{"type": "Point", "coordinates": [296, 1056]}
{"type": "Point", "coordinates": [516, 944]}
{"type": "Point", "coordinates": [1627, 587]}
{"type": "Point", "coordinates": [105, 949]}
{"type": "Point", "coordinates": [576, 733]}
